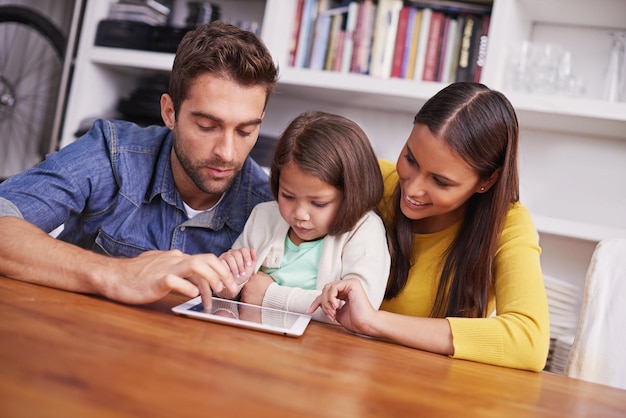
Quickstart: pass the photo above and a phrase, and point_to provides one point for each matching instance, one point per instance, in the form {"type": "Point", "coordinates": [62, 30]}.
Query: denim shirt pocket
{"type": "Point", "coordinates": [107, 245]}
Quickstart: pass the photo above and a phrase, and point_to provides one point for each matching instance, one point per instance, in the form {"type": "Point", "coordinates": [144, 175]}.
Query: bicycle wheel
{"type": "Point", "coordinates": [32, 50]}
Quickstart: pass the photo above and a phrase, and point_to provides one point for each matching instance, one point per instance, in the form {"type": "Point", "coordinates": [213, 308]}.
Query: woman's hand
{"type": "Point", "coordinates": [254, 291]}
{"type": "Point", "coordinates": [346, 302]}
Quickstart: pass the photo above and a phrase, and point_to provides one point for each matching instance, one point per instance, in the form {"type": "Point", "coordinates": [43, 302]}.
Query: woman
{"type": "Point", "coordinates": [466, 278]}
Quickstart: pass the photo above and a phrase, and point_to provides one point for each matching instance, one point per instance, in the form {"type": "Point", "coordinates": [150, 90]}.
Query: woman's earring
{"type": "Point", "coordinates": [482, 189]}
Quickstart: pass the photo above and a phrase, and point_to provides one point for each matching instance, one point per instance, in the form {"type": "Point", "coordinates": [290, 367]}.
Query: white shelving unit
{"type": "Point", "coordinates": [573, 150]}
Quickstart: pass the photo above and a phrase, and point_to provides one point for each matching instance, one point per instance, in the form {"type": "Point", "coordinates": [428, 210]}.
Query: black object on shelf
{"type": "Point", "coordinates": [143, 106]}
{"type": "Point", "coordinates": [263, 150]}
{"type": "Point", "coordinates": [138, 35]}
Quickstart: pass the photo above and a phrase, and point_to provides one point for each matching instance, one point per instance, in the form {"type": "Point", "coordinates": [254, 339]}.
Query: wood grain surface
{"type": "Point", "coordinates": [64, 354]}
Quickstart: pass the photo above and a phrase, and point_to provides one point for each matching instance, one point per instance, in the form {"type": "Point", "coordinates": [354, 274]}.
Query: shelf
{"type": "Point", "coordinates": [131, 58]}
{"type": "Point", "coordinates": [578, 230]}
{"type": "Point", "coordinates": [552, 113]}
{"type": "Point", "coordinates": [575, 115]}
{"type": "Point", "coordinates": [578, 116]}
{"type": "Point", "coordinates": [356, 90]}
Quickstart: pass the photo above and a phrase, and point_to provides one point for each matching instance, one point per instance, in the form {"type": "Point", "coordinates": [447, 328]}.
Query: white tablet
{"type": "Point", "coordinates": [244, 315]}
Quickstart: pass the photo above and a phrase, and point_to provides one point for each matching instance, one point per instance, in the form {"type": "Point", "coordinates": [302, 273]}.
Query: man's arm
{"type": "Point", "coordinates": [31, 255]}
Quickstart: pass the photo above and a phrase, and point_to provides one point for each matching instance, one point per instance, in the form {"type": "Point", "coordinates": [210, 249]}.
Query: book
{"type": "Point", "coordinates": [431, 59]}
{"type": "Point", "coordinates": [138, 13]}
{"type": "Point", "coordinates": [443, 43]}
{"type": "Point", "coordinates": [320, 41]}
{"type": "Point", "coordinates": [381, 27]}
{"type": "Point", "coordinates": [451, 7]}
{"type": "Point", "coordinates": [338, 55]}
{"type": "Point", "coordinates": [464, 67]}
{"type": "Point", "coordinates": [420, 56]}
{"type": "Point", "coordinates": [460, 19]}
{"type": "Point", "coordinates": [451, 49]}
{"type": "Point", "coordinates": [415, 31]}
{"type": "Point", "coordinates": [294, 35]}
{"type": "Point", "coordinates": [309, 14]}
{"type": "Point", "coordinates": [475, 46]}
{"type": "Point", "coordinates": [482, 48]}
{"type": "Point", "coordinates": [363, 38]}
{"type": "Point", "coordinates": [400, 46]}
{"type": "Point", "coordinates": [349, 34]}
{"type": "Point", "coordinates": [160, 6]}
{"type": "Point", "coordinates": [336, 22]}
{"type": "Point", "coordinates": [408, 42]}
{"type": "Point", "coordinates": [446, 55]}
{"type": "Point", "coordinates": [390, 39]}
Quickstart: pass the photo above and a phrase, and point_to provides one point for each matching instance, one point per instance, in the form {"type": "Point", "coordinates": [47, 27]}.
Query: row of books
{"type": "Point", "coordinates": [437, 40]}
{"type": "Point", "coordinates": [152, 12]}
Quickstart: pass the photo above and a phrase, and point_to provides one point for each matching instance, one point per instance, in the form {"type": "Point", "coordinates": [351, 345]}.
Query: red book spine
{"type": "Point", "coordinates": [398, 53]}
{"type": "Point", "coordinates": [295, 34]}
{"type": "Point", "coordinates": [432, 49]}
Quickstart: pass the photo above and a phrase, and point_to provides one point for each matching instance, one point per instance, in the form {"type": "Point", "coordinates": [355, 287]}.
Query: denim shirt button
{"type": "Point", "coordinates": [182, 228]}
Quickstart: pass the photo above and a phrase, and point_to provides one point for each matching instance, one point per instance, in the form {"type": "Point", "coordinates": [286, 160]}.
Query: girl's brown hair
{"type": "Point", "coordinates": [337, 151]}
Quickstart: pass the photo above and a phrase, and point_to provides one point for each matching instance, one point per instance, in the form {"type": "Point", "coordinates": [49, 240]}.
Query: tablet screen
{"type": "Point", "coordinates": [245, 315]}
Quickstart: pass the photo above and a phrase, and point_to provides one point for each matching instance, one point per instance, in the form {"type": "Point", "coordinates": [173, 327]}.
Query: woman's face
{"type": "Point", "coordinates": [436, 182]}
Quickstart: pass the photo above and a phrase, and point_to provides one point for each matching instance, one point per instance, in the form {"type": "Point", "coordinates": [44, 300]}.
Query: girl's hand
{"type": "Point", "coordinates": [241, 263]}
{"type": "Point", "coordinates": [254, 291]}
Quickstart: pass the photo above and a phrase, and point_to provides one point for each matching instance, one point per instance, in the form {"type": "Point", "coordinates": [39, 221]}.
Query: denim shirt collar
{"type": "Point", "coordinates": [163, 179]}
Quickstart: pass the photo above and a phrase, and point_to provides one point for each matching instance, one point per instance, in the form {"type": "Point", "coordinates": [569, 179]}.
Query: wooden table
{"type": "Point", "coordinates": [71, 355]}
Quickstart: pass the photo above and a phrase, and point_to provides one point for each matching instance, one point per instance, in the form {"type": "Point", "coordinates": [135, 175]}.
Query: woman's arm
{"type": "Point", "coordinates": [517, 336]}
{"type": "Point", "coordinates": [346, 302]}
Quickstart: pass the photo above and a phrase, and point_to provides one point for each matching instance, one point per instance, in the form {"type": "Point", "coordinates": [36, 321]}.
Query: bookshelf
{"type": "Point", "coordinates": [572, 150]}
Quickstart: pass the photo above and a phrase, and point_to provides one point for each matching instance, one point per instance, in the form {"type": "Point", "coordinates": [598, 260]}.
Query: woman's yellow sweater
{"type": "Point", "coordinates": [517, 335]}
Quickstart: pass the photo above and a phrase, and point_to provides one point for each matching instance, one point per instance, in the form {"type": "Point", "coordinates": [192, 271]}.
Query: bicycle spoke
{"type": "Point", "coordinates": [30, 74]}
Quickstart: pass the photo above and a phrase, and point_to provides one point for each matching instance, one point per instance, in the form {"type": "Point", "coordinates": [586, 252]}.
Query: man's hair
{"type": "Point", "coordinates": [223, 50]}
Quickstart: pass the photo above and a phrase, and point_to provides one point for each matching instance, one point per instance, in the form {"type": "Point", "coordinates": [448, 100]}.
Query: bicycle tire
{"type": "Point", "coordinates": [35, 20]}
{"type": "Point", "coordinates": [32, 52]}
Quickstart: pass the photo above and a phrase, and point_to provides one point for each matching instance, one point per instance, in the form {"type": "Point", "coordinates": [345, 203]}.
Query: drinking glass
{"type": "Point", "coordinates": [614, 81]}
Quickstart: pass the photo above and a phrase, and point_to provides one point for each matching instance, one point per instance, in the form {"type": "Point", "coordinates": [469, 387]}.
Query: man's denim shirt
{"type": "Point", "coordinates": [114, 192]}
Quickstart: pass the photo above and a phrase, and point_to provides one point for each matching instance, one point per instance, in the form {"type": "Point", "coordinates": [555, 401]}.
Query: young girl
{"type": "Point", "coordinates": [466, 278]}
{"type": "Point", "coordinates": [322, 226]}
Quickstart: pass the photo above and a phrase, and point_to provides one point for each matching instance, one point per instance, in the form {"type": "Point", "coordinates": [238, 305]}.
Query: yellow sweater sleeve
{"type": "Point", "coordinates": [518, 335]}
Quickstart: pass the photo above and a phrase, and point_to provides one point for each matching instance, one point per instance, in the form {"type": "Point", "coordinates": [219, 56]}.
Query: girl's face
{"type": "Point", "coordinates": [436, 182]}
{"type": "Point", "coordinates": [307, 204]}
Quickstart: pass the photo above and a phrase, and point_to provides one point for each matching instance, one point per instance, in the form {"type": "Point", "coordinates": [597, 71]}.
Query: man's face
{"type": "Point", "coordinates": [214, 131]}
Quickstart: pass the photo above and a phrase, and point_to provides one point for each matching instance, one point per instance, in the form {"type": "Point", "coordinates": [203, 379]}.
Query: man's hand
{"type": "Point", "coordinates": [152, 275]}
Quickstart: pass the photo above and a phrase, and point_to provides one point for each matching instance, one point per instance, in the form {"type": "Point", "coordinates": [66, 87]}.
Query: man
{"type": "Point", "coordinates": [146, 211]}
